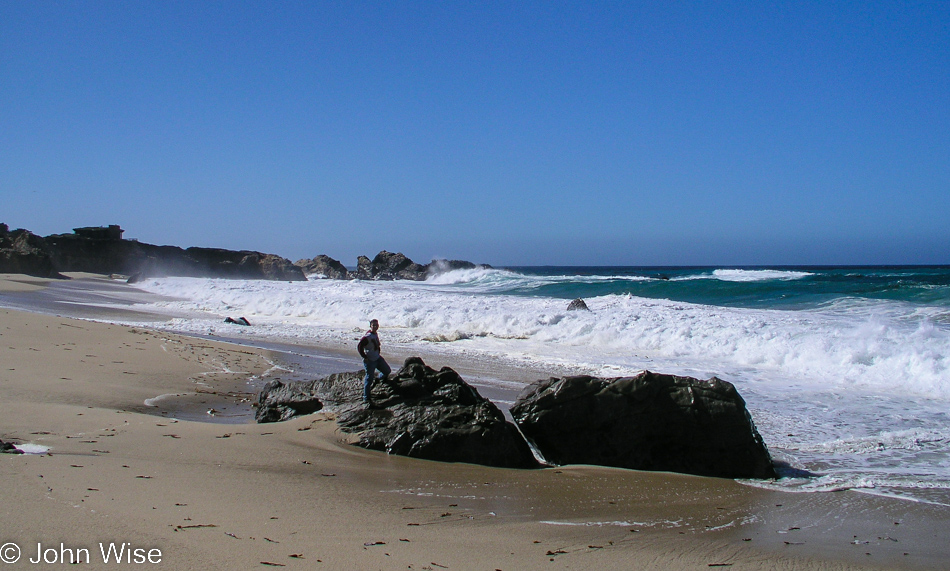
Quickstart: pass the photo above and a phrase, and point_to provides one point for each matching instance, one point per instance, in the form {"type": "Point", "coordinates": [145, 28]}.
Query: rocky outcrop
{"type": "Point", "coordinates": [578, 305]}
{"type": "Point", "coordinates": [23, 252]}
{"type": "Point", "coordinates": [364, 268]}
{"type": "Point", "coordinates": [646, 422]}
{"type": "Point", "coordinates": [242, 264]}
{"type": "Point", "coordinates": [323, 266]}
{"type": "Point", "coordinates": [436, 267]}
{"type": "Point", "coordinates": [104, 253]}
{"type": "Point", "coordinates": [102, 250]}
{"type": "Point", "coordinates": [78, 253]}
{"type": "Point", "coordinates": [274, 267]}
{"type": "Point", "coordinates": [421, 412]}
{"type": "Point", "coordinates": [436, 415]}
{"type": "Point", "coordinates": [282, 401]}
{"type": "Point", "coordinates": [389, 266]}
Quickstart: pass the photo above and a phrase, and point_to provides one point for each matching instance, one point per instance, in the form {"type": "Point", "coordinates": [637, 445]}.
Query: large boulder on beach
{"type": "Point", "coordinates": [420, 412]}
{"type": "Point", "coordinates": [646, 422]}
{"type": "Point", "coordinates": [280, 401]}
{"type": "Point", "coordinates": [436, 415]}
{"type": "Point", "coordinates": [324, 267]}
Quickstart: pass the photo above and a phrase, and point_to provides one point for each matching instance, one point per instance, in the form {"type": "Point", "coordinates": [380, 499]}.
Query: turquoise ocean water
{"type": "Point", "coordinates": [783, 287]}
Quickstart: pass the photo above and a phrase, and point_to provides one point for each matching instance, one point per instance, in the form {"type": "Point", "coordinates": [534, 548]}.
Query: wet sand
{"type": "Point", "coordinates": [228, 494]}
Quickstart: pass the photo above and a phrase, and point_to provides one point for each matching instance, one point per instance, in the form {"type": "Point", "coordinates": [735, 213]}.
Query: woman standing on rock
{"type": "Point", "coordinates": [369, 349]}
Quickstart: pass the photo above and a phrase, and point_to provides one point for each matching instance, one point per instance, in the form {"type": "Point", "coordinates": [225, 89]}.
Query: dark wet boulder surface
{"type": "Point", "coordinates": [280, 401]}
{"type": "Point", "coordinates": [323, 266]}
{"type": "Point", "coordinates": [646, 422]}
{"type": "Point", "coordinates": [419, 412]}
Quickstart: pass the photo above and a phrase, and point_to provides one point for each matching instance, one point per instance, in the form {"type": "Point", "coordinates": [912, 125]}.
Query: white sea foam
{"type": "Point", "coordinates": [909, 440]}
{"type": "Point", "coordinates": [855, 391]}
{"type": "Point", "coordinates": [491, 280]}
{"type": "Point", "coordinates": [923, 489]}
{"type": "Point", "coordinates": [757, 275]}
{"type": "Point", "coordinates": [485, 279]}
{"type": "Point", "coordinates": [154, 401]}
{"type": "Point", "coordinates": [885, 348]}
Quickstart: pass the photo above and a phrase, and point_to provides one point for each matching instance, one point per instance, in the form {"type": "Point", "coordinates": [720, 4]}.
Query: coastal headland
{"type": "Point", "coordinates": [103, 250]}
{"type": "Point", "coordinates": [109, 416]}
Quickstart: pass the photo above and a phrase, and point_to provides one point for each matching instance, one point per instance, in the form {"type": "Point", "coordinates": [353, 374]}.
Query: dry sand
{"type": "Point", "coordinates": [211, 495]}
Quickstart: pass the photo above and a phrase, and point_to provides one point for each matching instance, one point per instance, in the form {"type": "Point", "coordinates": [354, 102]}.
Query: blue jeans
{"type": "Point", "coordinates": [371, 368]}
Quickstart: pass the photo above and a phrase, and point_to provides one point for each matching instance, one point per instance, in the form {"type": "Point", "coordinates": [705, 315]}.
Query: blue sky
{"type": "Point", "coordinates": [511, 133]}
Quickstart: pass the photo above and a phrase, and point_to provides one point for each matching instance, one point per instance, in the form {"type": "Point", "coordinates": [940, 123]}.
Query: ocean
{"type": "Point", "coordinates": [845, 370]}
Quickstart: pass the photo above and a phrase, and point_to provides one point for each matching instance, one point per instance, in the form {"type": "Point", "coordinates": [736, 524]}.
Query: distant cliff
{"type": "Point", "coordinates": [103, 251]}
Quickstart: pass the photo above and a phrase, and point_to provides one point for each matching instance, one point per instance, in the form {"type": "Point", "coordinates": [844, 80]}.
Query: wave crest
{"type": "Point", "coordinates": [758, 275]}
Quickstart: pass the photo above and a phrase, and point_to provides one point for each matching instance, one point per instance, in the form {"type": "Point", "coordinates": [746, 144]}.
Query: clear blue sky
{"type": "Point", "coordinates": [510, 133]}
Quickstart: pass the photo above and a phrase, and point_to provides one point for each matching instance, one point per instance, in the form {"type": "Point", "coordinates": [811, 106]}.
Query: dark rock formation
{"type": "Point", "coordinates": [282, 401]}
{"type": "Point", "coordinates": [389, 266]}
{"type": "Point", "coordinates": [243, 265]}
{"type": "Point", "coordinates": [578, 305]}
{"type": "Point", "coordinates": [647, 422]}
{"type": "Point", "coordinates": [323, 266]}
{"type": "Point", "coordinates": [385, 266]}
{"type": "Point", "coordinates": [77, 253]}
{"type": "Point", "coordinates": [364, 268]}
{"type": "Point", "coordinates": [102, 251]}
{"type": "Point", "coordinates": [23, 252]}
{"type": "Point", "coordinates": [239, 321]}
{"type": "Point", "coordinates": [421, 412]}
{"type": "Point", "coordinates": [437, 416]}
{"type": "Point", "coordinates": [436, 267]}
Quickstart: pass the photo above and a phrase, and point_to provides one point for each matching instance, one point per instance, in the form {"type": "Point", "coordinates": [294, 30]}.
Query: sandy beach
{"type": "Point", "coordinates": [133, 457]}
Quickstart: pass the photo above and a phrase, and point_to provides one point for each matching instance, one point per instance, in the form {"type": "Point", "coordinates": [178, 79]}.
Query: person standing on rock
{"type": "Point", "coordinates": [369, 349]}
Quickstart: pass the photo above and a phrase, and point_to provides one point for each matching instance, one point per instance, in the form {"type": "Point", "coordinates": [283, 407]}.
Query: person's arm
{"type": "Point", "coordinates": [362, 347]}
